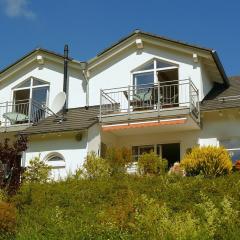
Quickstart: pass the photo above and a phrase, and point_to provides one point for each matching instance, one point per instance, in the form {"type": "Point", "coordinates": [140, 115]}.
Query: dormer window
{"type": "Point", "coordinates": [154, 71]}
{"type": "Point", "coordinates": [155, 81]}
{"type": "Point", "coordinates": [29, 97]}
{"type": "Point", "coordinates": [32, 88]}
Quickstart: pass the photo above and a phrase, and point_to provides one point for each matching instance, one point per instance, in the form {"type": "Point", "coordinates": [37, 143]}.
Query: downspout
{"type": "Point", "coordinates": [86, 77]}
{"type": "Point", "coordinates": [65, 78]}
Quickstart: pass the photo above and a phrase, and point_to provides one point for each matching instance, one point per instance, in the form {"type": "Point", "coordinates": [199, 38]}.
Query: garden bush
{"type": "Point", "coordinates": [209, 161]}
{"type": "Point", "coordinates": [94, 167]}
{"type": "Point", "coordinates": [7, 218]}
{"type": "Point", "coordinates": [158, 207]}
{"type": "Point", "coordinates": [118, 159]}
{"type": "Point", "coordinates": [37, 171]}
{"type": "Point", "coordinates": [151, 164]}
{"type": "Point", "coordinates": [237, 165]}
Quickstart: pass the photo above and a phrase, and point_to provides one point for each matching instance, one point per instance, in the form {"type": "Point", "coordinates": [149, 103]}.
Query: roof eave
{"type": "Point", "coordinates": [220, 68]}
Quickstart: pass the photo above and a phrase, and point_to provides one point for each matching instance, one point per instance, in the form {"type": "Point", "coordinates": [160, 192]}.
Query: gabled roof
{"type": "Point", "coordinates": [222, 97]}
{"type": "Point", "coordinates": [138, 33]}
{"type": "Point", "coordinates": [34, 52]}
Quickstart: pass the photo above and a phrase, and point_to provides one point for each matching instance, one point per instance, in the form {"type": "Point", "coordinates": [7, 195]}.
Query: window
{"type": "Point", "coordinates": [137, 151]}
{"type": "Point", "coordinates": [233, 146]}
{"type": "Point", "coordinates": [169, 151]}
{"type": "Point", "coordinates": [32, 88]}
{"type": "Point", "coordinates": [58, 165]}
{"type": "Point", "coordinates": [158, 71]}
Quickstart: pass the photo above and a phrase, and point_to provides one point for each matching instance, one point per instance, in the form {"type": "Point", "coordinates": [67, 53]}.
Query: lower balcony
{"type": "Point", "coordinates": [16, 116]}
{"type": "Point", "coordinates": [148, 105]}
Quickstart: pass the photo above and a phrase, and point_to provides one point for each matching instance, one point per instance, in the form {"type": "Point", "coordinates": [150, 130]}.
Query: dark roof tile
{"type": "Point", "coordinates": [76, 119]}
{"type": "Point", "coordinates": [222, 97]}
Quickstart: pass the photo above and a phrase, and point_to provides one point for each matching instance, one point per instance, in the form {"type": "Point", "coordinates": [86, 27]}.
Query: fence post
{"type": "Point", "coordinates": [158, 99]}
{"type": "Point", "coordinates": [128, 102]}
{"type": "Point", "coordinates": [29, 110]}
{"type": "Point", "coordinates": [100, 114]}
{"type": "Point", "coordinates": [190, 95]}
{"type": "Point", "coordinates": [6, 118]}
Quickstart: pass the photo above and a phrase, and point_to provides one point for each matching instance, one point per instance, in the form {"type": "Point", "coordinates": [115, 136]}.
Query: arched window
{"type": "Point", "coordinates": [58, 165]}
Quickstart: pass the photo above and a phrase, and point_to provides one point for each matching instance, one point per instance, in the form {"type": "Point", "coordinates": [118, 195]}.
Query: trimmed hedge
{"type": "Point", "coordinates": [130, 207]}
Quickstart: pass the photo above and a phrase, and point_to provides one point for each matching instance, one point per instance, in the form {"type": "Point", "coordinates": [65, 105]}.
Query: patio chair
{"type": "Point", "coordinates": [15, 117]}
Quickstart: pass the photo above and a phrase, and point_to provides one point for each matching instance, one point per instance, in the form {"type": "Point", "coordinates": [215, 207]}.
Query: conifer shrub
{"type": "Point", "coordinates": [151, 164]}
{"type": "Point", "coordinates": [118, 159]}
{"type": "Point", "coordinates": [38, 171]}
{"type": "Point", "coordinates": [209, 161]}
{"type": "Point", "coordinates": [94, 167]}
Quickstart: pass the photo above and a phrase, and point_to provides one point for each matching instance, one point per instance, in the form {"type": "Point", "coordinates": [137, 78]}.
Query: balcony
{"type": "Point", "coordinates": [160, 101]}
{"type": "Point", "coordinates": [16, 116]}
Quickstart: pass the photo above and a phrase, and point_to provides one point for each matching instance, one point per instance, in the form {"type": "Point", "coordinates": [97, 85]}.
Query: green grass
{"type": "Point", "coordinates": [128, 207]}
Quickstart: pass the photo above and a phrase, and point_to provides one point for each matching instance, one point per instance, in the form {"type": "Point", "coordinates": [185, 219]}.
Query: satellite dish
{"type": "Point", "coordinates": [58, 102]}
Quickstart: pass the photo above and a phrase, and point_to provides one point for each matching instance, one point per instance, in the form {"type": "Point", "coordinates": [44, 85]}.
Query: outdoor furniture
{"type": "Point", "coordinates": [141, 99]}
{"type": "Point", "coordinates": [15, 117]}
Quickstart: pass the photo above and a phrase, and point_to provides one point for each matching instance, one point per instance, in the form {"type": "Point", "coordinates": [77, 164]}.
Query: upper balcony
{"type": "Point", "coordinates": [158, 101]}
{"type": "Point", "coordinates": [18, 115]}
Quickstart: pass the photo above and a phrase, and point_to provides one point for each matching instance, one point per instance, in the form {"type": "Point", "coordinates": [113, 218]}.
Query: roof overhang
{"type": "Point", "coordinates": [212, 60]}
{"type": "Point", "coordinates": [38, 56]}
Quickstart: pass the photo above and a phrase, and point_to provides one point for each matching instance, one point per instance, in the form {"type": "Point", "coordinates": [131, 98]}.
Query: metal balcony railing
{"type": "Point", "coordinates": [21, 112]}
{"type": "Point", "coordinates": [169, 95]}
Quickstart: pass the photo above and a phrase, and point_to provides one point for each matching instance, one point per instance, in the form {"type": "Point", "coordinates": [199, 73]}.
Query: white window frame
{"type": "Point", "coordinates": [155, 70]}
{"type": "Point", "coordinates": [155, 146]}
{"type": "Point", "coordinates": [31, 87]}
{"type": "Point", "coordinates": [51, 155]}
{"type": "Point", "coordinates": [231, 149]}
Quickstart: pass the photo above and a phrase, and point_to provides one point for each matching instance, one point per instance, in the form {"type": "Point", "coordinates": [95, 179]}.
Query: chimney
{"type": "Point", "coordinates": [65, 78]}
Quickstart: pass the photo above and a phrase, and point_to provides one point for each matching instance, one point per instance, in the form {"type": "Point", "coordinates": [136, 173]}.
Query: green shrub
{"type": "Point", "coordinates": [118, 159]}
{"type": "Point", "coordinates": [209, 161]}
{"type": "Point", "coordinates": [7, 218]}
{"type": "Point", "coordinates": [94, 167]}
{"type": "Point", "coordinates": [37, 171]}
{"type": "Point", "coordinates": [164, 207]}
{"type": "Point", "coordinates": [152, 164]}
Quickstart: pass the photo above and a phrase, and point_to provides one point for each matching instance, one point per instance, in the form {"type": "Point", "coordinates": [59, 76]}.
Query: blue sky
{"type": "Point", "coordinates": [90, 26]}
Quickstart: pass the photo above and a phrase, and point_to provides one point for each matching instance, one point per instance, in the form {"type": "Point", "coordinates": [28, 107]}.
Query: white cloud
{"type": "Point", "coordinates": [17, 8]}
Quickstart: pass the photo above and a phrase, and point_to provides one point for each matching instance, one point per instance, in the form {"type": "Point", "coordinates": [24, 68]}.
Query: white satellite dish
{"type": "Point", "coordinates": [58, 102]}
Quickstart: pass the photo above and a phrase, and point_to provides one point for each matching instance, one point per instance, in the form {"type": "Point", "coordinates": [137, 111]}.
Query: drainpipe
{"type": "Point", "coordinates": [65, 78]}
{"type": "Point", "coordinates": [86, 76]}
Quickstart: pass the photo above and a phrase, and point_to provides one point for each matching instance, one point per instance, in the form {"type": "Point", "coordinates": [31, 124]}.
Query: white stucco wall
{"type": "Point", "coordinates": [117, 72]}
{"type": "Point", "coordinates": [94, 139]}
{"type": "Point", "coordinates": [52, 73]}
{"type": "Point", "coordinates": [214, 129]}
{"type": "Point", "coordinates": [73, 151]}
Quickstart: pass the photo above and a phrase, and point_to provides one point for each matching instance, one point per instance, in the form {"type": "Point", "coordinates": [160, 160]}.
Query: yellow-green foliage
{"type": "Point", "coordinates": [94, 167]}
{"type": "Point", "coordinates": [151, 163]}
{"type": "Point", "coordinates": [7, 218]}
{"type": "Point", "coordinates": [118, 158]}
{"type": "Point", "coordinates": [37, 171]}
{"type": "Point", "coordinates": [209, 161]}
{"type": "Point", "coordinates": [129, 207]}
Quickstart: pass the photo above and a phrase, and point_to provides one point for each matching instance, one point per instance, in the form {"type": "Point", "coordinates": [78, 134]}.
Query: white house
{"type": "Point", "coordinates": [145, 92]}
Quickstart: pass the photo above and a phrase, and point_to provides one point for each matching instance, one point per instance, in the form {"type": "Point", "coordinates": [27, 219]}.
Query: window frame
{"type": "Point", "coordinates": [231, 149]}
{"type": "Point", "coordinates": [155, 70]}
{"type": "Point", "coordinates": [51, 155]}
{"type": "Point", "coordinates": [31, 87]}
